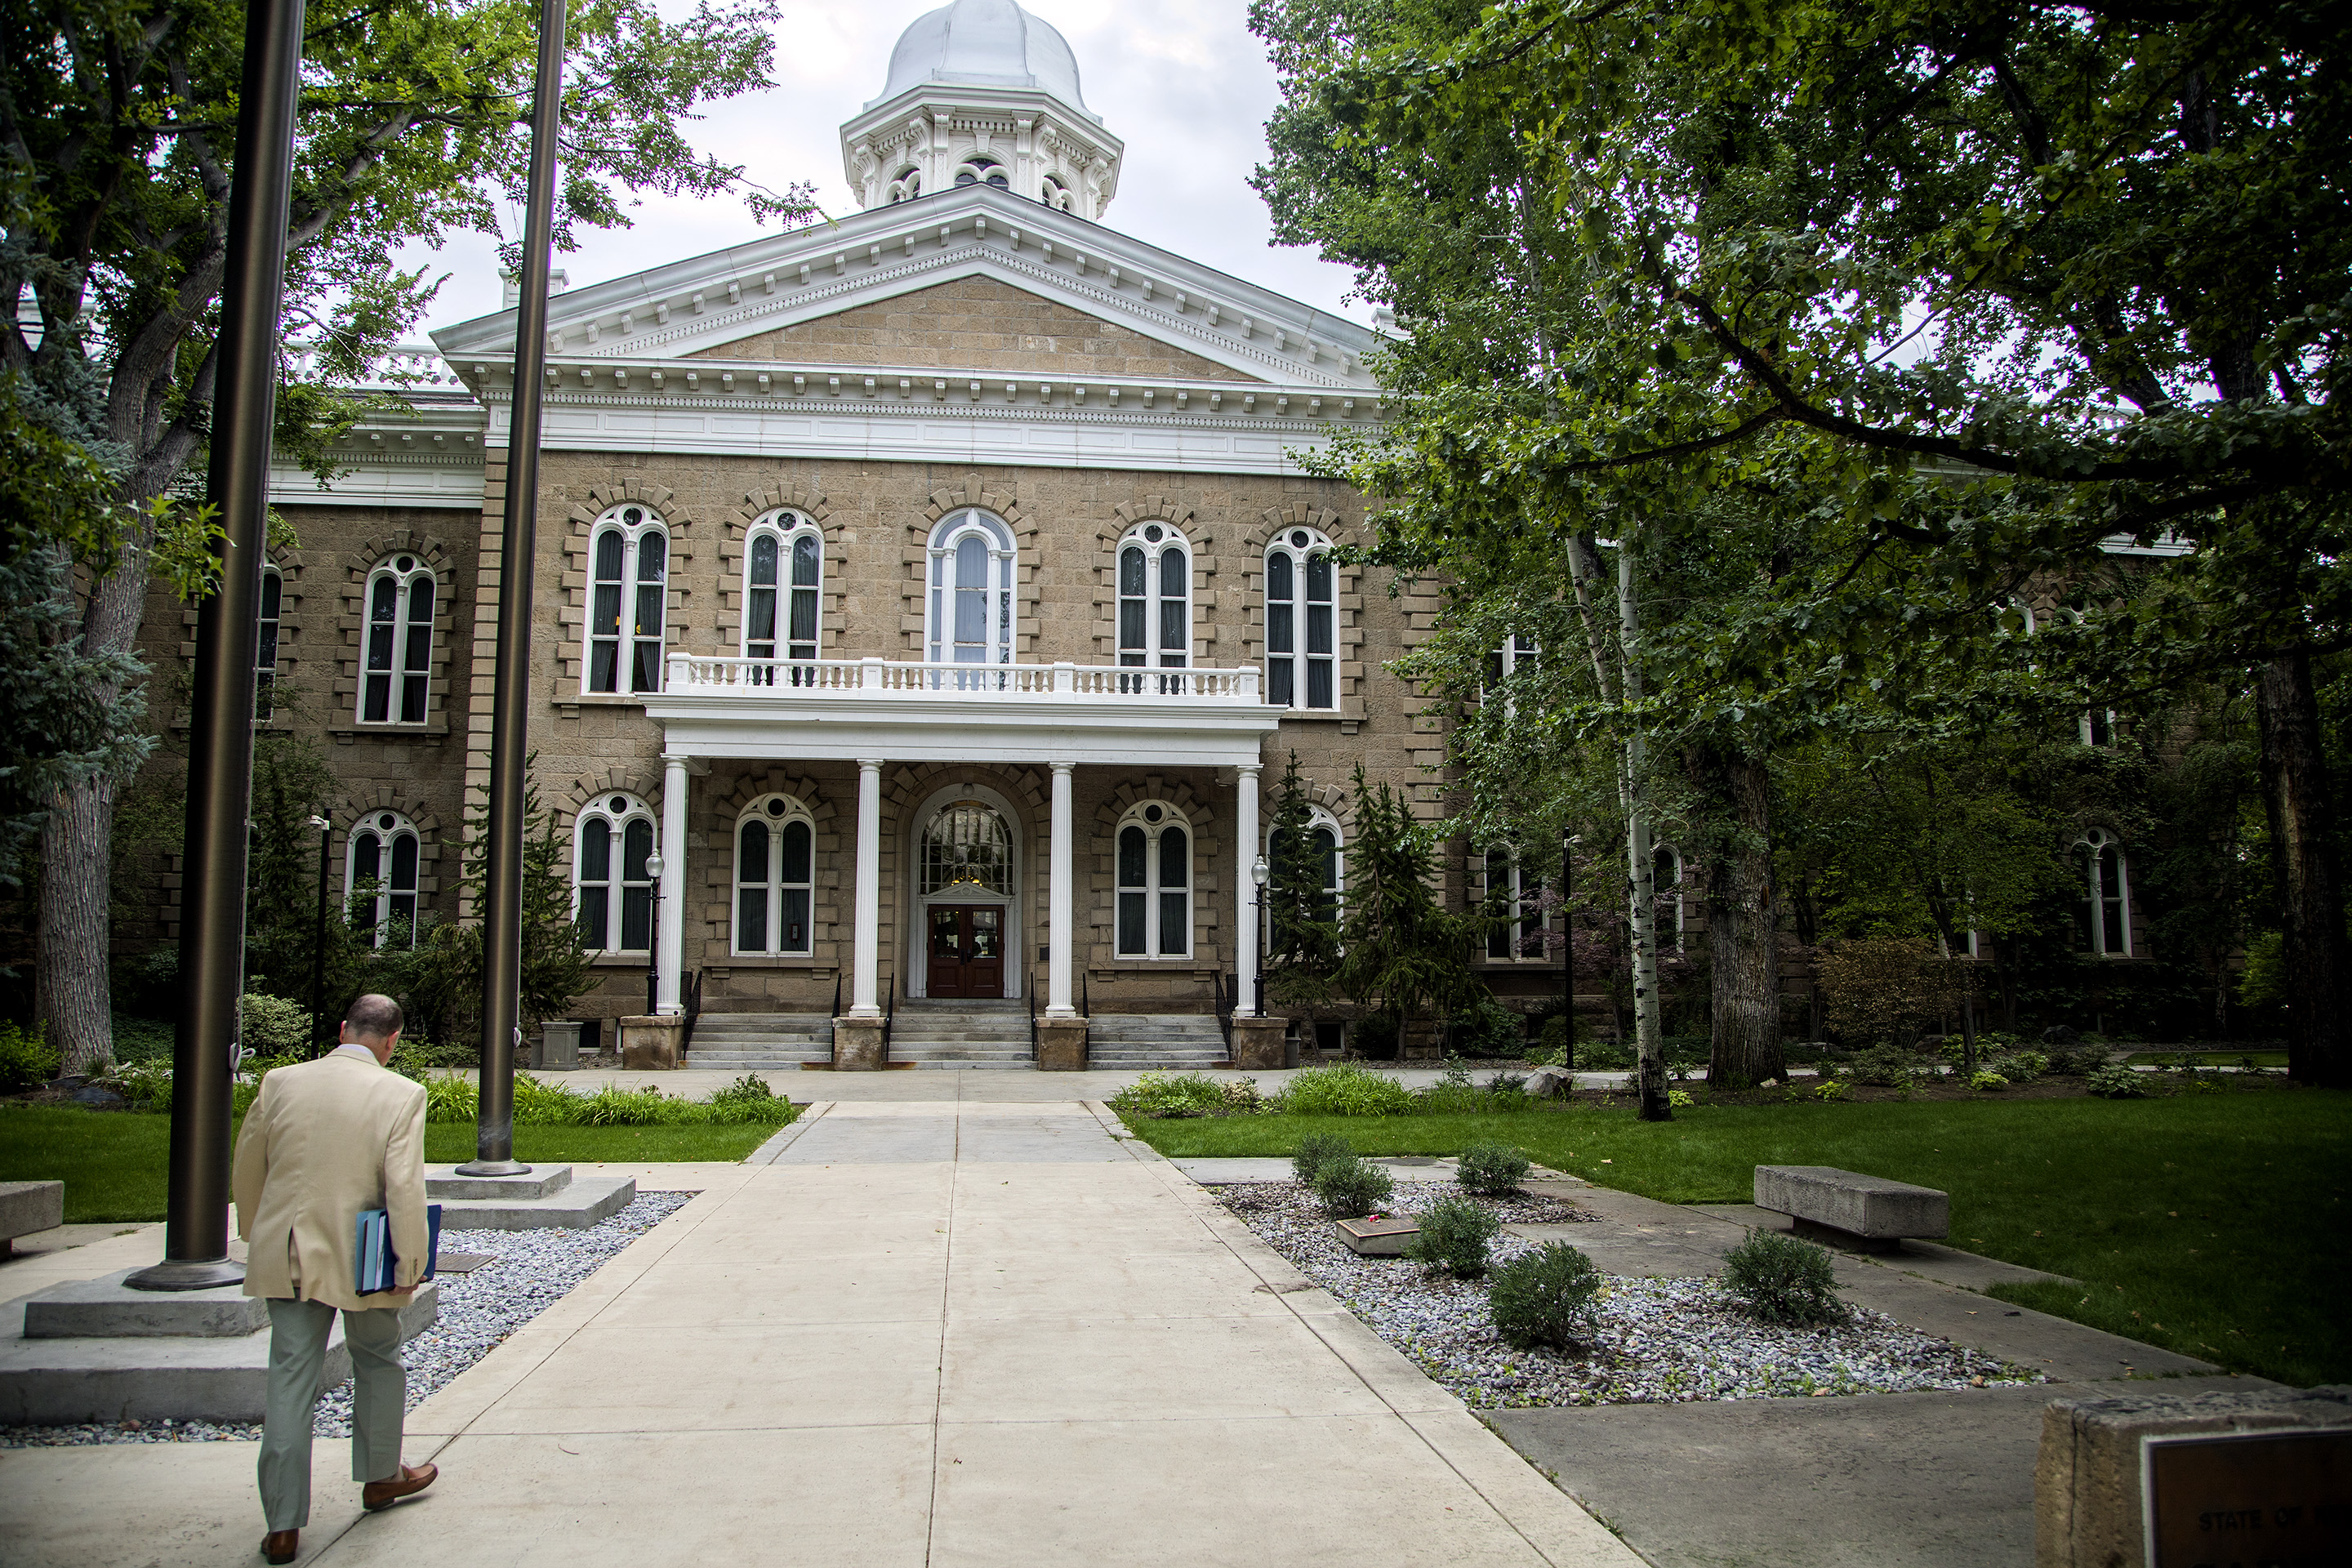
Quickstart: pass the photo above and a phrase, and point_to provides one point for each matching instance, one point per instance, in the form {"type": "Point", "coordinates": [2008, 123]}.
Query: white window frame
{"type": "Point", "coordinates": [942, 586]}
{"type": "Point", "coordinates": [983, 169]}
{"type": "Point", "coordinates": [2099, 850]}
{"type": "Point", "coordinates": [633, 523]}
{"type": "Point", "coordinates": [1335, 892]}
{"type": "Point", "coordinates": [1291, 669]}
{"type": "Point", "coordinates": [787, 531]}
{"type": "Point", "coordinates": [1143, 619]}
{"type": "Point", "coordinates": [1525, 929]}
{"type": "Point", "coordinates": [908, 186]}
{"type": "Point", "coordinates": [616, 810]}
{"type": "Point", "coordinates": [396, 655]}
{"type": "Point", "coordinates": [269, 625]}
{"type": "Point", "coordinates": [778, 814]}
{"type": "Point", "coordinates": [380, 833]}
{"type": "Point", "coordinates": [1153, 890]}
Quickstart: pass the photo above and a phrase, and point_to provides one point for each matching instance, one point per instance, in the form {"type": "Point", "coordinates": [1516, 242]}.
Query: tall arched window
{"type": "Point", "coordinates": [1155, 600]}
{"type": "Point", "coordinates": [1301, 621]}
{"type": "Point", "coordinates": [784, 568]}
{"type": "Point", "coordinates": [969, 619]}
{"type": "Point", "coordinates": [775, 863]}
{"type": "Point", "coordinates": [1512, 893]}
{"type": "Point", "coordinates": [1324, 843]}
{"type": "Point", "coordinates": [1666, 895]}
{"type": "Point", "coordinates": [399, 643]}
{"type": "Point", "coordinates": [2106, 895]}
{"type": "Point", "coordinates": [628, 587]}
{"type": "Point", "coordinates": [265, 654]}
{"type": "Point", "coordinates": [379, 880]}
{"type": "Point", "coordinates": [1155, 883]}
{"type": "Point", "coordinates": [613, 883]}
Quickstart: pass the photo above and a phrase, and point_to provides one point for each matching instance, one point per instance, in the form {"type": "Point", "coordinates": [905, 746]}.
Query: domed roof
{"type": "Point", "coordinates": [984, 42]}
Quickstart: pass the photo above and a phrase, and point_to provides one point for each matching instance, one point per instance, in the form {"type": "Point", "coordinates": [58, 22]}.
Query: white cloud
{"type": "Point", "coordinates": [1183, 82]}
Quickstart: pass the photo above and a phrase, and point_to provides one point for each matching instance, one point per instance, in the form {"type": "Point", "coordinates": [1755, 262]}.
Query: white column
{"type": "Point", "coordinates": [1245, 911]}
{"type": "Point", "coordinates": [863, 1002]}
{"type": "Point", "coordinates": [1058, 936]}
{"type": "Point", "coordinates": [672, 935]}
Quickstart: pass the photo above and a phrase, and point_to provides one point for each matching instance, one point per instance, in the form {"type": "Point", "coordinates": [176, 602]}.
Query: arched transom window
{"type": "Point", "coordinates": [379, 880]}
{"type": "Point", "coordinates": [967, 849]}
{"type": "Point", "coordinates": [1155, 598]}
{"type": "Point", "coordinates": [783, 570]}
{"type": "Point", "coordinates": [1155, 883]}
{"type": "Point", "coordinates": [775, 863]}
{"type": "Point", "coordinates": [265, 651]}
{"type": "Point", "coordinates": [979, 169]}
{"type": "Point", "coordinates": [2106, 895]}
{"type": "Point", "coordinates": [399, 643]}
{"type": "Point", "coordinates": [970, 617]}
{"type": "Point", "coordinates": [612, 846]}
{"type": "Point", "coordinates": [628, 588]}
{"type": "Point", "coordinates": [1301, 621]}
{"type": "Point", "coordinates": [906, 186]}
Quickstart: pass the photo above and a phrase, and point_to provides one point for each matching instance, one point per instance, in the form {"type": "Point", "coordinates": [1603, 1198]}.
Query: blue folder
{"type": "Point", "coordinates": [378, 1264]}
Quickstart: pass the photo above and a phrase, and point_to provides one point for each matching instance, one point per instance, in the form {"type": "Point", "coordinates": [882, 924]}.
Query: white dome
{"type": "Point", "coordinates": [984, 42]}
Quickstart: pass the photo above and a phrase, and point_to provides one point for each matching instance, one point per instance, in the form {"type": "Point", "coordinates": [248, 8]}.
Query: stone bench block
{"type": "Point", "coordinates": [1378, 1237]}
{"type": "Point", "coordinates": [28, 1207]}
{"type": "Point", "coordinates": [543, 1182]}
{"type": "Point", "coordinates": [577, 1205]}
{"type": "Point", "coordinates": [107, 1308]}
{"type": "Point", "coordinates": [1871, 1209]}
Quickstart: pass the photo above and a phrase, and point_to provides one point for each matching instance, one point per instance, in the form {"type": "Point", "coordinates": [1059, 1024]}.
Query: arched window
{"type": "Point", "coordinates": [967, 845]}
{"type": "Point", "coordinates": [906, 186]}
{"type": "Point", "coordinates": [1057, 194]}
{"type": "Point", "coordinates": [979, 169]}
{"type": "Point", "coordinates": [2106, 895]}
{"type": "Point", "coordinates": [784, 568]}
{"type": "Point", "coordinates": [1324, 851]}
{"type": "Point", "coordinates": [613, 883]}
{"type": "Point", "coordinates": [1155, 600]}
{"type": "Point", "coordinates": [969, 619]}
{"type": "Point", "coordinates": [1666, 895]}
{"type": "Point", "coordinates": [775, 863]}
{"type": "Point", "coordinates": [1301, 621]}
{"type": "Point", "coordinates": [399, 643]}
{"type": "Point", "coordinates": [1513, 894]}
{"type": "Point", "coordinates": [1155, 883]}
{"type": "Point", "coordinates": [265, 654]}
{"type": "Point", "coordinates": [628, 587]}
{"type": "Point", "coordinates": [379, 880]}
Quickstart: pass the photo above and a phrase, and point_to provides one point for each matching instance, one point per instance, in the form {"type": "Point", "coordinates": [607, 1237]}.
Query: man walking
{"type": "Point", "coordinates": [325, 1140]}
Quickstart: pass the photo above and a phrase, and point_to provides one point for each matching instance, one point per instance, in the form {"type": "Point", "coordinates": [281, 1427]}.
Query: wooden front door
{"type": "Point", "coordinates": [967, 950]}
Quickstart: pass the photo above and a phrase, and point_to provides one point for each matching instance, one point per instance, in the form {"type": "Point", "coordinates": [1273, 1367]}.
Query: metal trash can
{"type": "Point", "coordinates": [559, 1045]}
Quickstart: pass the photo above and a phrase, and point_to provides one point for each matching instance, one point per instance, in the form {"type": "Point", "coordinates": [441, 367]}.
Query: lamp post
{"type": "Point", "coordinates": [318, 947]}
{"type": "Point", "coordinates": [1259, 872]}
{"type": "Point", "coordinates": [652, 938]}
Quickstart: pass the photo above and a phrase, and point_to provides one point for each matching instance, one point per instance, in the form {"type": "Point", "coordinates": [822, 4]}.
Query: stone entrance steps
{"type": "Point", "coordinates": [957, 1033]}
{"type": "Point", "coordinates": [1169, 1042]}
{"type": "Point", "coordinates": [755, 1042]}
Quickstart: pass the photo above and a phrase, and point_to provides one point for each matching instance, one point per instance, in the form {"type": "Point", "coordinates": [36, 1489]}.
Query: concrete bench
{"type": "Point", "coordinates": [26, 1208]}
{"type": "Point", "coordinates": [1852, 1209]}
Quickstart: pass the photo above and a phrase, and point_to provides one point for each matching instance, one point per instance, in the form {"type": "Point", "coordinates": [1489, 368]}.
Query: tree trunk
{"type": "Point", "coordinates": [1743, 926]}
{"type": "Point", "coordinates": [69, 972]}
{"type": "Point", "coordinates": [2316, 964]}
{"type": "Point", "coordinates": [1649, 1038]}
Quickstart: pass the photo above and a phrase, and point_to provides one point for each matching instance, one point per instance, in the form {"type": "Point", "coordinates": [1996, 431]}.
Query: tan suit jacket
{"type": "Point", "coordinates": [325, 1140]}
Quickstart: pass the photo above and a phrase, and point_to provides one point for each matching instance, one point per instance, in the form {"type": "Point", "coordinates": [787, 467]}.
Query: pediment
{"type": "Point", "coordinates": [978, 323]}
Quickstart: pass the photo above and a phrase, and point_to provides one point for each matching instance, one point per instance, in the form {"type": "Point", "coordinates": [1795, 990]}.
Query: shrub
{"type": "Point", "coordinates": [1454, 1235]}
{"type": "Point", "coordinates": [1876, 986]}
{"type": "Point", "coordinates": [1783, 1280]}
{"type": "Point", "coordinates": [1314, 1150]}
{"type": "Point", "coordinates": [1507, 1083]}
{"type": "Point", "coordinates": [1374, 1038]}
{"type": "Point", "coordinates": [1352, 1188]}
{"type": "Point", "coordinates": [1544, 1298]}
{"type": "Point", "coordinates": [1551, 1050]}
{"type": "Point", "coordinates": [147, 1084]}
{"type": "Point", "coordinates": [1344, 1088]}
{"type": "Point", "coordinates": [1605, 1056]}
{"type": "Point", "coordinates": [275, 1027]}
{"type": "Point", "coordinates": [1487, 1028]}
{"type": "Point", "coordinates": [2020, 1067]}
{"type": "Point", "coordinates": [749, 1101]}
{"type": "Point", "coordinates": [1160, 1095]}
{"type": "Point", "coordinates": [2078, 1060]}
{"type": "Point", "coordinates": [27, 1060]}
{"type": "Point", "coordinates": [1491, 1169]}
{"type": "Point", "coordinates": [2116, 1082]}
{"type": "Point", "coordinates": [1988, 1081]}
{"type": "Point", "coordinates": [1676, 1097]}
{"type": "Point", "coordinates": [1832, 1090]}
{"type": "Point", "coordinates": [142, 1039]}
{"type": "Point", "coordinates": [1884, 1067]}
{"type": "Point", "coordinates": [451, 1100]}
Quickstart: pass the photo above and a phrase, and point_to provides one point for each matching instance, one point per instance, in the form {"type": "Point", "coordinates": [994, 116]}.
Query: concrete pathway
{"type": "Point", "coordinates": [927, 1332]}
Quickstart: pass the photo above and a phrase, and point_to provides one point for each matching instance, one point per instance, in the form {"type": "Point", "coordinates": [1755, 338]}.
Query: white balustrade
{"type": "Point", "coordinates": [819, 679]}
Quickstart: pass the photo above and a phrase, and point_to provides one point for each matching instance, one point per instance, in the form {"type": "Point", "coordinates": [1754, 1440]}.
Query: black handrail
{"type": "Point", "coordinates": [1086, 1000]}
{"type": "Point", "coordinates": [889, 1016]}
{"type": "Point", "coordinates": [691, 994]}
{"type": "Point", "coordinates": [1226, 1010]}
{"type": "Point", "coordinates": [1033, 1014]}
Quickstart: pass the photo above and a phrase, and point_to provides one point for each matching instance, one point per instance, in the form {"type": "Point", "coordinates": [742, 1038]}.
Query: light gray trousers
{"type": "Point", "coordinates": [297, 1353]}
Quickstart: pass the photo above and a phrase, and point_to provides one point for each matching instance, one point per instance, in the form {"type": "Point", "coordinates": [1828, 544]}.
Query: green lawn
{"type": "Point", "coordinates": [112, 1162]}
{"type": "Point", "coordinates": [2214, 1225]}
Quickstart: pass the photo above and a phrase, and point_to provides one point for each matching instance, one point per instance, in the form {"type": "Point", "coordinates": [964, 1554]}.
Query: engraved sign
{"type": "Point", "coordinates": [2249, 1499]}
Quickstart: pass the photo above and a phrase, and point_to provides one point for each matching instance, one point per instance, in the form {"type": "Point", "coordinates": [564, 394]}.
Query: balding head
{"type": "Point", "coordinates": [374, 1021]}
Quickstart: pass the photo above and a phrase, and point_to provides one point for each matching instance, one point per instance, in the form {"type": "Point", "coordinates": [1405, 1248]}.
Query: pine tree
{"type": "Point", "coordinates": [1402, 953]}
{"type": "Point", "coordinates": [1302, 953]}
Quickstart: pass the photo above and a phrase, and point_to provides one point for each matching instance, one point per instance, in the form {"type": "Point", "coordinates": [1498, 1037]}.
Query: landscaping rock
{"type": "Point", "coordinates": [98, 1097]}
{"type": "Point", "coordinates": [1550, 1083]}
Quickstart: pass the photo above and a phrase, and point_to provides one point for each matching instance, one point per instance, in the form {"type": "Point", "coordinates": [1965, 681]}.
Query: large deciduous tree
{"type": "Point", "coordinates": [117, 129]}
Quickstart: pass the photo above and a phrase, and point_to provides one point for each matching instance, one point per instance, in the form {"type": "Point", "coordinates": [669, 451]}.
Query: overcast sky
{"type": "Point", "coordinates": [1183, 82]}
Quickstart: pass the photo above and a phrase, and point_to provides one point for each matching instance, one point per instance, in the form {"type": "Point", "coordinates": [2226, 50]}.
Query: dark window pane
{"type": "Point", "coordinates": [644, 673]}
{"type": "Point", "coordinates": [1278, 576]}
{"type": "Point", "coordinates": [1278, 639]}
{"type": "Point", "coordinates": [608, 555]}
{"type": "Point", "coordinates": [1130, 623]}
{"type": "Point", "coordinates": [793, 937]}
{"type": "Point", "coordinates": [1175, 582]}
{"type": "Point", "coordinates": [752, 919]}
{"type": "Point", "coordinates": [1174, 936]}
{"type": "Point", "coordinates": [1319, 683]}
{"type": "Point", "coordinates": [380, 644]}
{"type": "Point", "coordinates": [795, 855]}
{"type": "Point", "coordinates": [653, 558]}
{"type": "Point", "coordinates": [1130, 923]}
{"type": "Point", "coordinates": [603, 666]}
{"type": "Point", "coordinates": [595, 910]}
{"type": "Point", "coordinates": [596, 851]}
{"type": "Point", "coordinates": [1130, 857]}
{"type": "Point", "coordinates": [803, 626]}
{"type": "Point", "coordinates": [751, 856]}
{"type": "Point", "coordinates": [379, 700]}
{"type": "Point", "coordinates": [367, 862]}
{"type": "Point", "coordinates": [412, 700]}
{"type": "Point", "coordinates": [1318, 579]}
{"type": "Point", "coordinates": [420, 601]}
{"type": "Point", "coordinates": [404, 863]}
{"type": "Point", "coordinates": [385, 603]}
{"type": "Point", "coordinates": [604, 616]}
{"type": "Point", "coordinates": [637, 918]}
{"type": "Point", "coordinates": [1278, 686]}
{"type": "Point", "coordinates": [1174, 626]}
{"type": "Point", "coordinates": [636, 848]}
{"type": "Point", "coordinates": [760, 621]}
{"type": "Point", "coordinates": [1175, 864]}
{"type": "Point", "coordinates": [273, 588]}
{"type": "Point", "coordinates": [763, 561]}
{"type": "Point", "coordinates": [1319, 628]}
{"type": "Point", "coordinates": [1130, 572]}
{"type": "Point", "coordinates": [804, 561]}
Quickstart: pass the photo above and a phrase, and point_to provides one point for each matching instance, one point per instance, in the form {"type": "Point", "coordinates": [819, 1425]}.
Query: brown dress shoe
{"type": "Point", "coordinates": [280, 1546]}
{"type": "Point", "coordinates": [412, 1479]}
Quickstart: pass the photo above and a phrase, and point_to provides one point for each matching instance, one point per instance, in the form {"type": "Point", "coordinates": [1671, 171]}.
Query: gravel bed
{"type": "Point", "coordinates": [535, 1269]}
{"type": "Point", "coordinates": [1654, 1340]}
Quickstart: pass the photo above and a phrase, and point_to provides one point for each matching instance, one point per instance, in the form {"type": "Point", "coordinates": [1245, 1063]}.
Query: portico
{"type": "Point", "coordinates": [1055, 717]}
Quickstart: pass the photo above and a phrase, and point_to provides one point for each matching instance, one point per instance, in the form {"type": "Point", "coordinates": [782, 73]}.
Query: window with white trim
{"type": "Point", "coordinates": [968, 618]}
{"type": "Point", "coordinates": [1058, 195]}
{"type": "Point", "coordinates": [1666, 895]}
{"type": "Point", "coordinates": [1301, 621]}
{"type": "Point", "coordinates": [1326, 851]}
{"type": "Point", "coordinates": [1508, 660]}
{"type": "Point", "coordinates": [775, 866]}
{"type": "Point", "coordinates": [2106, 894]}
{"type": "Point", "coordinates": [784, 571]}
{"type": "Point", "coordinates": [628, 594]}
{"type": "Point", "coordinates": [1155, 600]}
{"type": "Point", "coordinates": [399, 648]}
{"type": "Point", "coordinates": [1155, 882]}
{"type": "Point", "coordinates": [1512, 895]}
{"type": "Point", "coordinates": [380, 865]}
{"type": "Point", "coordinates": [265, 648]}
{"type": "Point", "coordinates": [906, 186]}
{"type": "Point", "coordinates": [612, 884]}
{"type": "Point", "coordinates": [979, 169]}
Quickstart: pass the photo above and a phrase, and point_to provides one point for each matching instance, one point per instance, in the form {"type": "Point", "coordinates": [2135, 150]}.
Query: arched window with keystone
{"type": "Point", "coordinates": [1302, 617]}
{"type": "Point", "coordinates": [968, 613]}
{"type": "Point", "coordinates": [775, 864]}
{"type": "Point", "coordinates": [1155, 882]}
{"type": "Point", "coordinates": [628, 595]}
{"type": "Point", "coordinates": [380, 878]}
{"type": "Point", "coordinates": [2106, 894]}
{"type": "Point", "coordinates": [397, 654]}
{"type": "Point", "coordinates": [1155, 601]}
{"type": "Point", "coordinates": [611, 848]}
{"type": "Point", "coordinates": [783, 575]}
